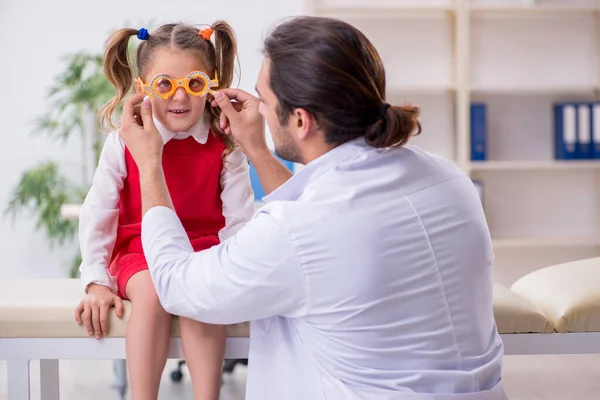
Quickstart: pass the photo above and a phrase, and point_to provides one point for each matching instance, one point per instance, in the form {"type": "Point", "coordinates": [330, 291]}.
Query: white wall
{"type": "Point", "coordinates": [34, 35]}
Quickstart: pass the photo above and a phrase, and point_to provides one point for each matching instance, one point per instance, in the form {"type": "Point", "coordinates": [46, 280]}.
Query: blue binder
{"type": "Point", "coordinates": [259, 192]}
{"type": "Point", "coordinates": [565, 131]}
{"type": "Point", "coordinates": [584, 147]}
{"type": "Point", "coordinates": [478, 132]}
{"type": "Point", "coordinates": [595, 128]}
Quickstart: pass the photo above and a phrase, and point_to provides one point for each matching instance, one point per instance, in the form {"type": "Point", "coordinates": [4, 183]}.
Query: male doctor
{"type": "Point", "coordinates": [367, 275]}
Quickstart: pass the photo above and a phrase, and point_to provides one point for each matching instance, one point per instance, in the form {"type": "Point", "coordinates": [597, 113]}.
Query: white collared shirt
{"type": "Point", "coordinates": [368, 275]}
{"type": "Point", "coordinates": [99, 214]}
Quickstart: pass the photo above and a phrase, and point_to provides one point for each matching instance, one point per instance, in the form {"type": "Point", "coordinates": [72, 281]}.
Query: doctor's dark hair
{"type": "Point", "coordinates": [330, 69]}
{"type": "Point", "coordinates": [219, 57]}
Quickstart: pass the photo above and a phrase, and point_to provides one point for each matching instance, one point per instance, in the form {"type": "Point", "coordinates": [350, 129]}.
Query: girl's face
{"type": "Point", "coordinates": [181, 111]}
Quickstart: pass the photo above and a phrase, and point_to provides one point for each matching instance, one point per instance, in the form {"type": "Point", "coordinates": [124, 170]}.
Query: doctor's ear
{"type": "Point", "coordinates": [303, 122]}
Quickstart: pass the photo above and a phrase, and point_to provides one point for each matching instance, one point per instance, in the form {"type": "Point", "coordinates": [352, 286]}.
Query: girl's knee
{"type": "Point", "coordinates": [142, 293]}
{"type": "Point", "coordinates": [187, 322]}
{"type": "Point", "coordinates": [201, 327]}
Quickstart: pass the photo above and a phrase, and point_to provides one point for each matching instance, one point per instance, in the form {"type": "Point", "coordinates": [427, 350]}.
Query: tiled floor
{"type": "Point", "coordinates": [526, 378]}
{"type": "Point", "coordinates": [92, 380]}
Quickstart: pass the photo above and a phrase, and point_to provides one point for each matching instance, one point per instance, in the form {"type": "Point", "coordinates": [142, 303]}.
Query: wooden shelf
{"type": "Point", "coordinates": [513, 89]}
{"type": "Point", "coordinates": [420, 89]}
{"type": "Point", "coordinates": [523, 243]}
{"type": "Point", "coordinates": [534, 165]}
{"type": "Point", "coordinates": [412, 11]}
{"type": "Point", "coordinates": [536, 9]}
{"type": "Point", "coordinates": [383, 12]}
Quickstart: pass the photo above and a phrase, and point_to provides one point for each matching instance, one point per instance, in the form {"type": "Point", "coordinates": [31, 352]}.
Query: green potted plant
{"type": "Point", "coordinates": [75, 97]}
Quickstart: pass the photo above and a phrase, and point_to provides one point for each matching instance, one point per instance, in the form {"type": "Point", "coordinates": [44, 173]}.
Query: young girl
{"type": "Point", "coordinates": [208, 179]}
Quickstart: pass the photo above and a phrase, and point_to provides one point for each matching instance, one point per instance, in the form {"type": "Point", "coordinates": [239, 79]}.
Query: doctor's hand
{"type": "Point", "coordinates": [241, 119]}
{"type": "Point", "coordinates": [139, 133]}
{"type": "Point", "coordinates": [92, 311]}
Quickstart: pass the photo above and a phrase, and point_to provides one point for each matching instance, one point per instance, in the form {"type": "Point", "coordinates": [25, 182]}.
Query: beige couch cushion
{"type": "Point", "coordinates": [568, 294]}
{"type": "Point", "coordinates": [45, 308]}
{"type": "Point", "coordinates": [514, 314]}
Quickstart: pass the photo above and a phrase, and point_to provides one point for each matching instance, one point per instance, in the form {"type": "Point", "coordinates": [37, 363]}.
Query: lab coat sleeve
{"type": "Point", "coordinates": [237, 195]}
{"type": "Point", "coordinates": [253, 275]}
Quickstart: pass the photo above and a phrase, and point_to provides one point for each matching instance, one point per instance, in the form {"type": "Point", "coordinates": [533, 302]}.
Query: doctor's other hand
{"type": "Point", "coordinates": [241, 118]}
{"type": "Point", "coordinates": [93, 310]}
{"type": "Point", "coordinates": [139, 133]}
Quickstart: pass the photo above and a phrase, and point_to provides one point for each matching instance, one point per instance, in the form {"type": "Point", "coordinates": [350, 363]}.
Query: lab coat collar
{"type": "Point", "coordinates": [198, 131]}
{"type": "Point", "coordinates": [294, 187]}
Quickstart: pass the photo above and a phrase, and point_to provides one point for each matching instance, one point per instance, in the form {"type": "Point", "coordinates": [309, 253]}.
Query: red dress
{"type": "Point", "coordinates": [192, 171]}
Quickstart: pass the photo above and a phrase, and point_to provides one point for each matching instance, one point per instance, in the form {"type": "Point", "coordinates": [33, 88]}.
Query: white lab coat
{"type": "Point", "coordinates": [368, 275]}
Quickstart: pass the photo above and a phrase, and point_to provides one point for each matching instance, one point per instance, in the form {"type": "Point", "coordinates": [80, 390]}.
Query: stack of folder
{"type": "Point", "coordinates": [577, 131]}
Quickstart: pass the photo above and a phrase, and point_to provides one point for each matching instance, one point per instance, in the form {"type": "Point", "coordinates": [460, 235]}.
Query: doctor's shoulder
{"type": "Point", "coordinates": [435, 160]}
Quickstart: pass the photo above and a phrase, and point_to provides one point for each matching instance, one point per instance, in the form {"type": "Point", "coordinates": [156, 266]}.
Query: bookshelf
{"type": "Point", "coordinates": [476, 166]}
{"type": "Point", "coordinates": [518, 57]}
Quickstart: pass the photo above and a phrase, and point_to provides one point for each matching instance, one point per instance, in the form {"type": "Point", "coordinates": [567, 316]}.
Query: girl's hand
{"type": "Point", "coordinates": [93, 309]}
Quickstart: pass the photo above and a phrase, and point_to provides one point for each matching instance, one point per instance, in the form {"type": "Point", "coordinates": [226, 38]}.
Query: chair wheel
{"type": "Point", "coordinates": [229, 365]}
{"type": "Point", "coordinates": [176, 376]}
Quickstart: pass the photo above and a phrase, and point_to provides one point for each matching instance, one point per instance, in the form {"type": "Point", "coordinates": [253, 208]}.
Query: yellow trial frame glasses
{"type": "Point", "coordinates": [152, 89]}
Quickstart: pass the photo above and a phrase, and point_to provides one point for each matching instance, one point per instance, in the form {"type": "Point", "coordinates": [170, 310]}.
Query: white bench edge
{"type": "Point", "coordinates": [18, 352]}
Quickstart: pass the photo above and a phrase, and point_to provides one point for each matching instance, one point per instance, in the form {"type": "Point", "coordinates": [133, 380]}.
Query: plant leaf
{"type": "Point", "coordinates": [42, 191]}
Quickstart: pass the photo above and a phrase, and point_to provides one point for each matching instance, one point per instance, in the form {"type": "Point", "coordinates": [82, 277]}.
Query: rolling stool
{"type": "Point", "coordinates": [228, 367]}
{"type": "Point", "coordinates": [120, 373]}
